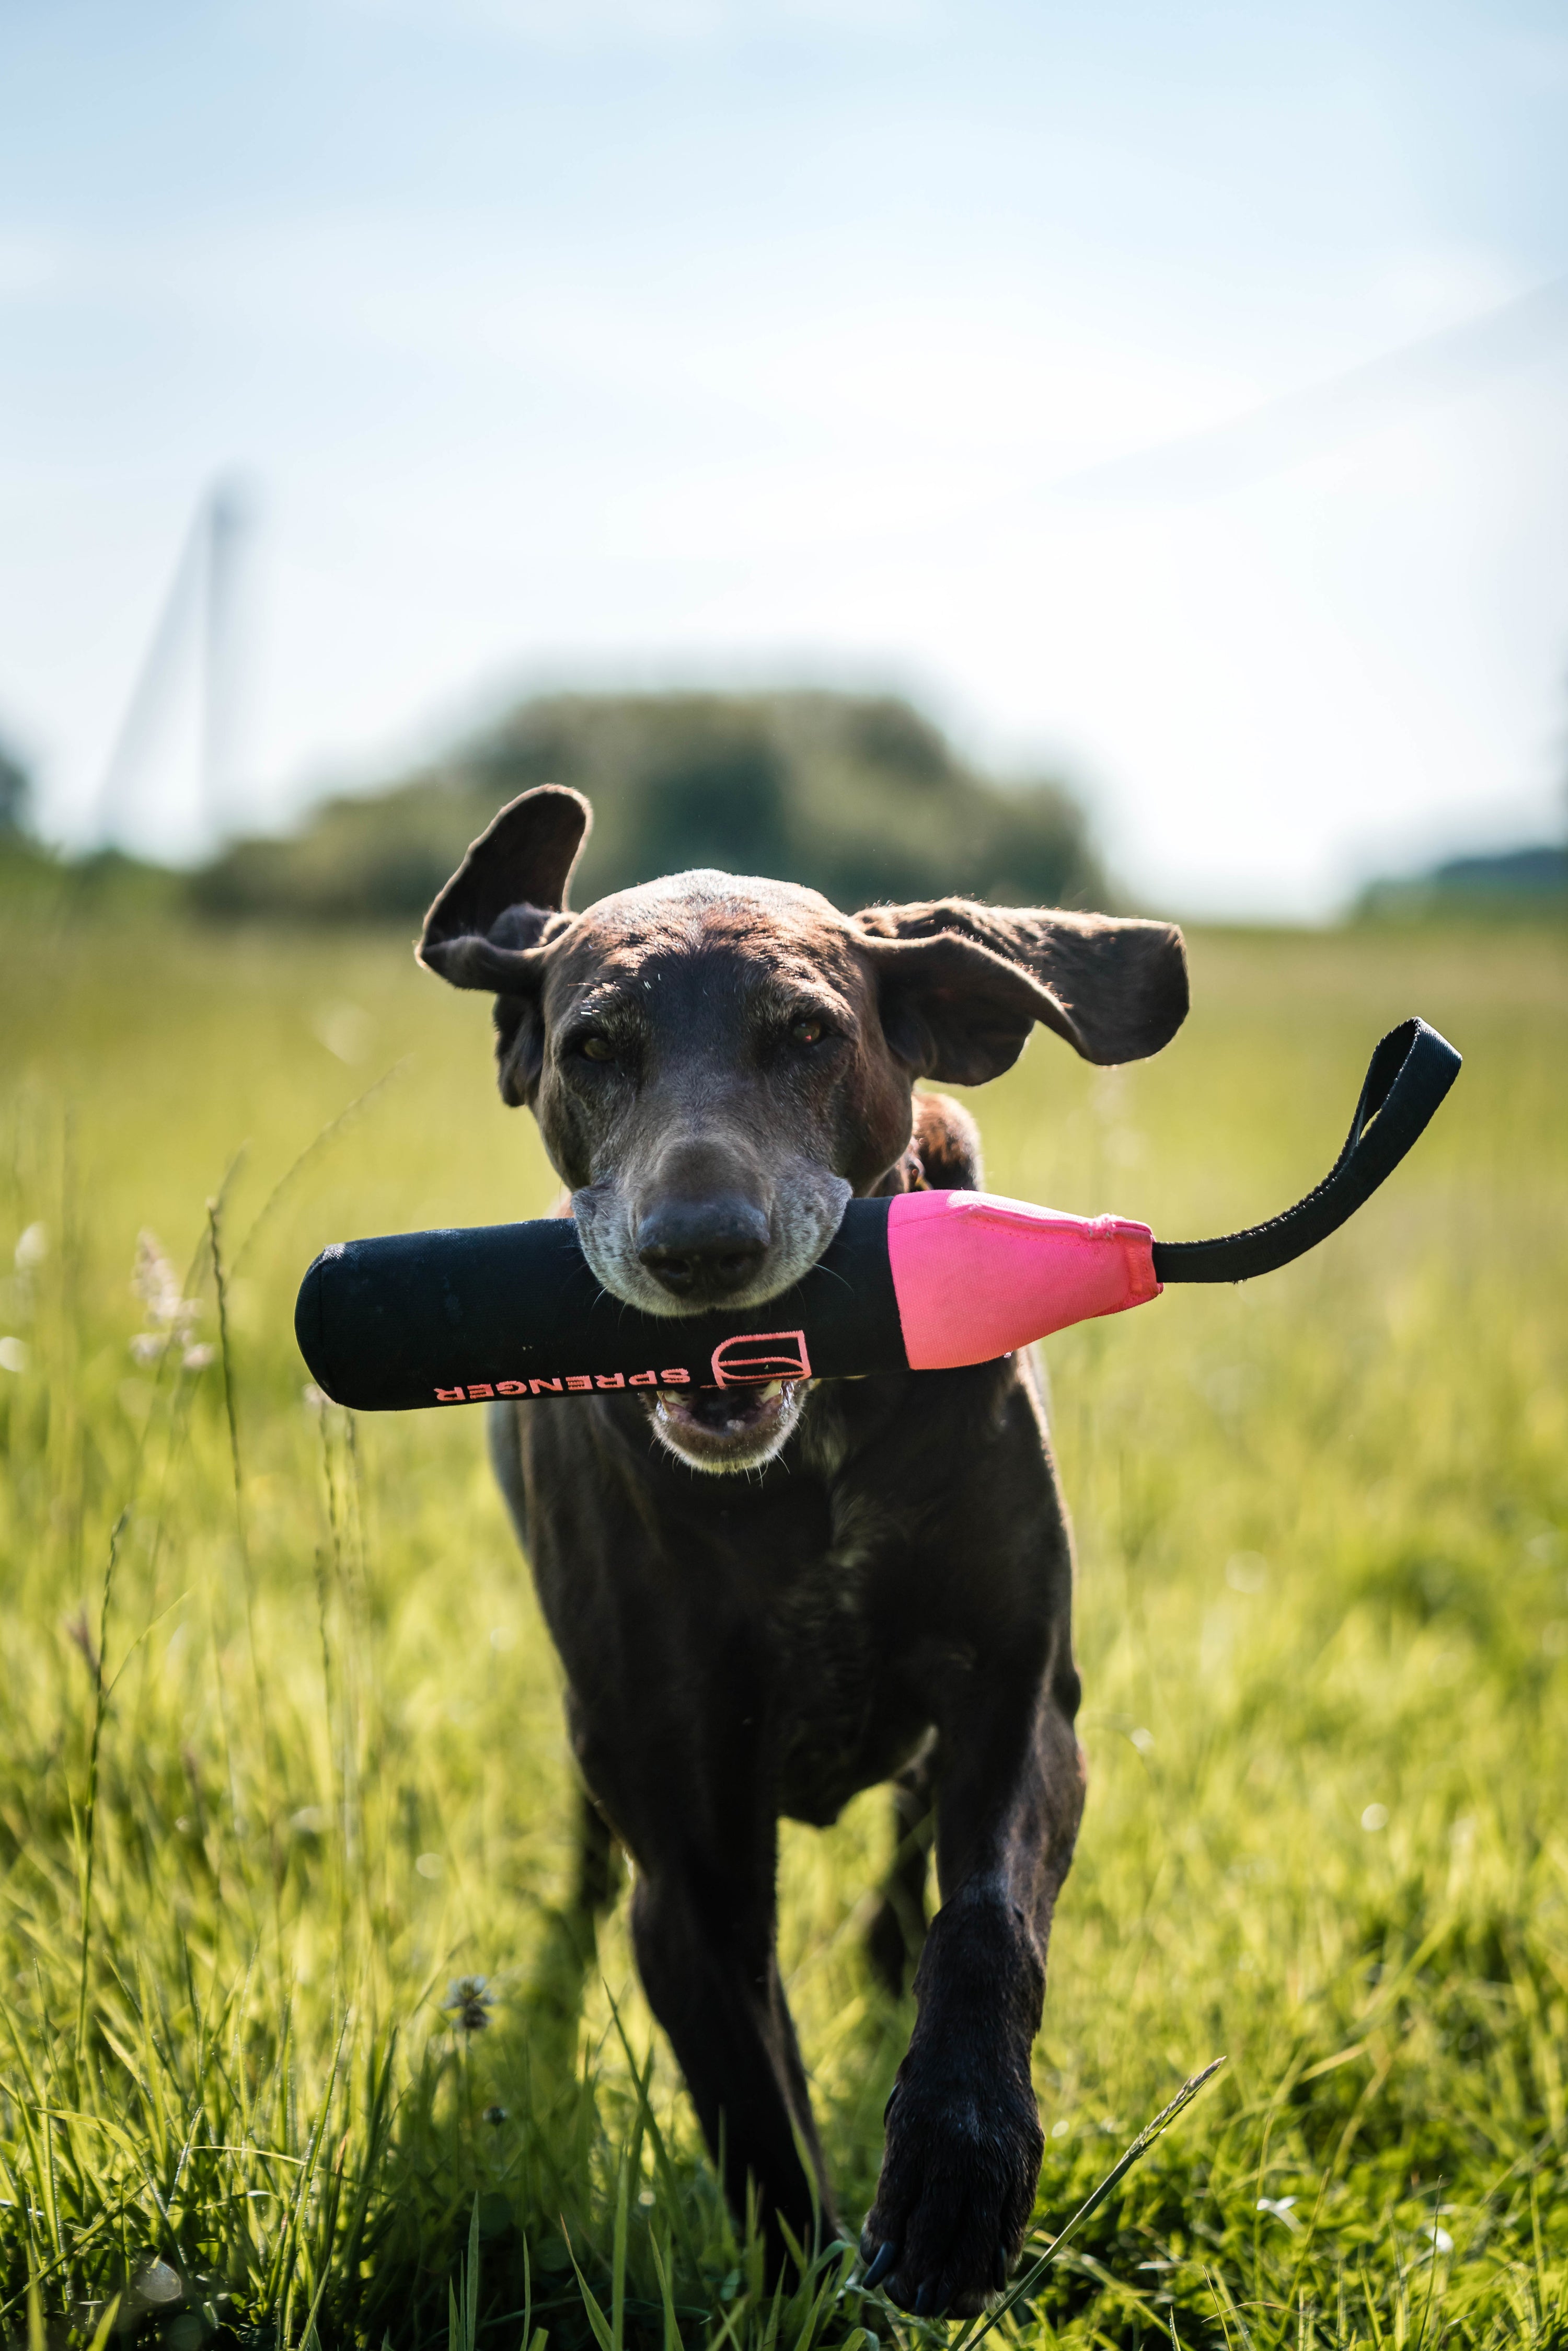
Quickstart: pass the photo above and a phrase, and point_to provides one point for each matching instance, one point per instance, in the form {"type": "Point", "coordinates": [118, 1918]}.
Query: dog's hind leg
{"type": "Point", "coordinates": [896, 1935]}
{"type": "Point", "coordinates": [569, 1943]}
{"type": "Point", "coordinates": [598, 1863]}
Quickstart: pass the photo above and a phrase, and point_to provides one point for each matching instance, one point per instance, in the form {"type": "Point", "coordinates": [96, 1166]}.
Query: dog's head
{"type": "Point", "coordinates": [718, 1065]}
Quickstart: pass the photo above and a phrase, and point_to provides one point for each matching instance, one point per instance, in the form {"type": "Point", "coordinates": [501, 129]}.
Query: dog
{"type": "Point", "coordinates": [767, 1599]}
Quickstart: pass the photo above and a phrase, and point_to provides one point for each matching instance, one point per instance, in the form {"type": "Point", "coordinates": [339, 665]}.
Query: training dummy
{"type": "Point", "coordinates": [926, 1281]}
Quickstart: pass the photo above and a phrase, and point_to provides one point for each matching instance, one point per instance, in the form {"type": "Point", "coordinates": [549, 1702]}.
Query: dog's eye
{"type": "Point", "coordinates": [807, 1032]}
{"type": "Point", "coordinates": [597, 1049]}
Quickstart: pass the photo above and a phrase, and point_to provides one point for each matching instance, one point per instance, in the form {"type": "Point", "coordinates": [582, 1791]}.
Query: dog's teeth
{"type": "Point", "coordinates": [774, 1387]}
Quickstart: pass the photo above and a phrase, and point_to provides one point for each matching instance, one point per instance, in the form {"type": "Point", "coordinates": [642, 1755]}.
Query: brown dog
{"type": "Point", "coordinates": [716, 1067]}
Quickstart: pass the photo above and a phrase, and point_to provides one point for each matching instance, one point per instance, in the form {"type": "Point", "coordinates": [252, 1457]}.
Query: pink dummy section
{"type": "Point", "coordinates": [977, 1275]}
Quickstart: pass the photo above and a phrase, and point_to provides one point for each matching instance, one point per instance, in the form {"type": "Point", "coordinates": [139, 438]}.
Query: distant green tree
{"type": "Point", "coordinates": [858, 796]}
{"type": "Point", "coordinates": [16, 794]}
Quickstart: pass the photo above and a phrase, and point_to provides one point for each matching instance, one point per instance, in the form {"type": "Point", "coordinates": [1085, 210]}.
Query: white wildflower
{"type": "Point", "coordinates": [158, 1285]}
{"type": "Point", "coordinates": [468, 2003]}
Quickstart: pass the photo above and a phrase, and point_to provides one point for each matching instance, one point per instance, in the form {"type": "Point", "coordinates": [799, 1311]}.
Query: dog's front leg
{"type": "Point", "coordinates": [668, 1706]}
{"type": "Point", "coordinates": [705, 1945]}
{"type": "Point", "coordinates": [963, 2142]}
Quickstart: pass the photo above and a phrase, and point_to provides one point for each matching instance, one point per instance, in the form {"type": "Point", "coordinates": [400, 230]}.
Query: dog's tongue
{"type": "Point", "coordinates": [724, 1412]}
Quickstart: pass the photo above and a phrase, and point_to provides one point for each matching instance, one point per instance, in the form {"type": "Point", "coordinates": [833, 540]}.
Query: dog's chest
{"type": "Point", "coordinates": [841, 1719]}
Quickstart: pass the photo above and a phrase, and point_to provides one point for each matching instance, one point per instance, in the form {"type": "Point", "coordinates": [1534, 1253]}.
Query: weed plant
{"type": "Point", "coordinates": [298, 2041]}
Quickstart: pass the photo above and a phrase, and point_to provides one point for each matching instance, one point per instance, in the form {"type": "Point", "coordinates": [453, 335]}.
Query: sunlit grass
{"type": "Point", "coordinates": [1324, 1620]}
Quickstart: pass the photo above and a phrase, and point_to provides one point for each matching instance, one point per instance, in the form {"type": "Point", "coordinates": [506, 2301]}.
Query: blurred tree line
{"type": "Point", "coordinates": [859, 795]}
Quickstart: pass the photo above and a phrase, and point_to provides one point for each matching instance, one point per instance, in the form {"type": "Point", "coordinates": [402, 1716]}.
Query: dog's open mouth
{"type": "Point", "coordinates": [729, 1427]}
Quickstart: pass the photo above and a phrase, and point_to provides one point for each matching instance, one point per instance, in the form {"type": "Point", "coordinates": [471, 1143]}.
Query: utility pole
{"type": "Point", "coordinates": [201, 615]}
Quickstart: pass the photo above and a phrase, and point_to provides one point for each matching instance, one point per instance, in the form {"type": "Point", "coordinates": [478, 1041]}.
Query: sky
{"type": "Point", "coordinates": [1172, 398]}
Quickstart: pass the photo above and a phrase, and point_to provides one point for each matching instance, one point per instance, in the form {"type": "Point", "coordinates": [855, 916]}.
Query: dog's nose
{"type": "Point", "coordinates": [701, 1249]}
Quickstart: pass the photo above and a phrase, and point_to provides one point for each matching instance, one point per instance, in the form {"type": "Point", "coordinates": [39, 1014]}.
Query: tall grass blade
{"type": "Point", "coordinates": [1151, 2131]}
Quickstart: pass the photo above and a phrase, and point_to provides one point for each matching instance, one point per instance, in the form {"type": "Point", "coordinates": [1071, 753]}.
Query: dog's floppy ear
{"type": "Point", "coordinates": [494, 923]}
{"type": "Point", "coordinates": [508, 898]}
{"type": "Point", "coordinates": [962, 985]}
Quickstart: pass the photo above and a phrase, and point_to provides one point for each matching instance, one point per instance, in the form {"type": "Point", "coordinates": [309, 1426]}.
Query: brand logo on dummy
{"type": "Point", "coordinates": [762, 1356]}
{"type": "Point", "coordinates": [752, 1357]}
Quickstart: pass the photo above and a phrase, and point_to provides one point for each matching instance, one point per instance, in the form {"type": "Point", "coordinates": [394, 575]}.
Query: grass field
{"type": "Point", "coordinates": [280, 1755]}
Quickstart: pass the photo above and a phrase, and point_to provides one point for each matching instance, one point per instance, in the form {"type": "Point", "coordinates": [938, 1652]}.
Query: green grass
{"type": "Point", "coordinates": [295, 1764]}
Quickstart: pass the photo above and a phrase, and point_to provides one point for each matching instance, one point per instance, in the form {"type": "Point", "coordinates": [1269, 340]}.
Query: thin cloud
{"type": "Point", "coordinates": [1286, 432]}
{"type": "Point", "coordinates": [593, 24]}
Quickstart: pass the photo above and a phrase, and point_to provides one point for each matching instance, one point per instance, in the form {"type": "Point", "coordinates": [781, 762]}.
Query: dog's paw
{"type": "Point", "coordinates": [958, 2184]}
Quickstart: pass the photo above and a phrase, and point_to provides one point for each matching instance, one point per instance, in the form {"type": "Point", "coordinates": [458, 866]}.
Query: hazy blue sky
{"type": "Point", "coordinates": [1156, 391]}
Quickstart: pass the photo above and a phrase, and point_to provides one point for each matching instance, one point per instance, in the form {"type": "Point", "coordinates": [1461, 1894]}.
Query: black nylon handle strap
{"type": "Point", "coordinates": [1410, 1072]}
